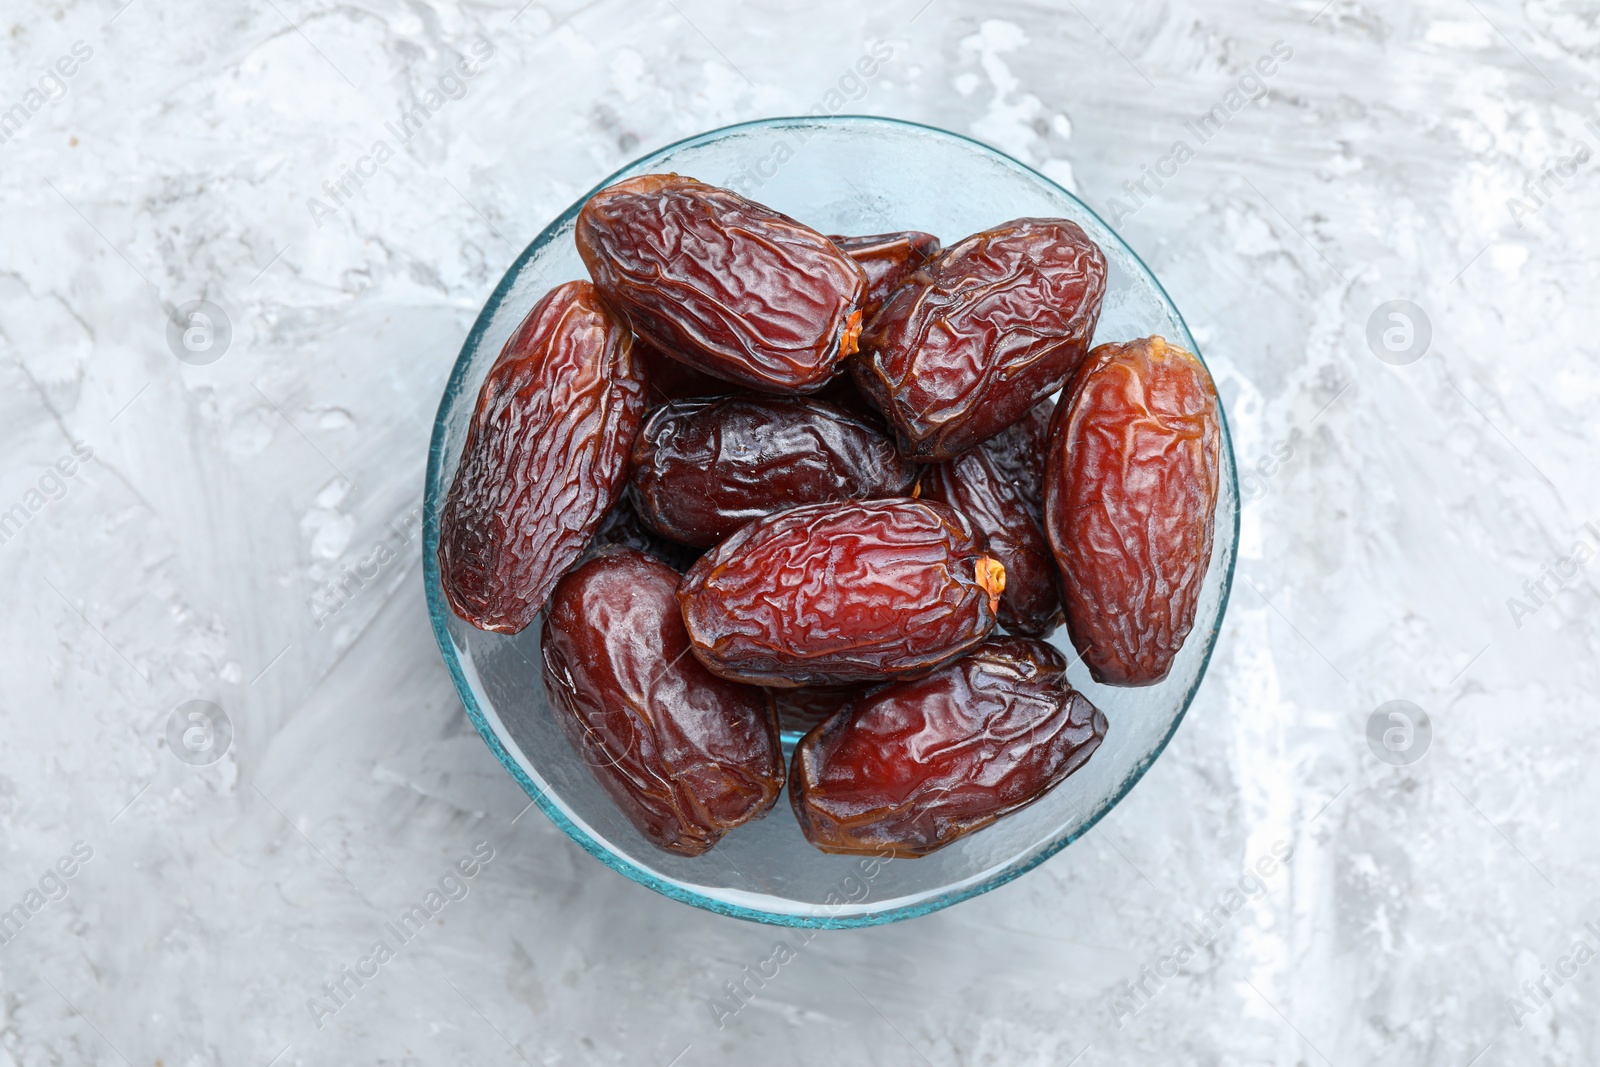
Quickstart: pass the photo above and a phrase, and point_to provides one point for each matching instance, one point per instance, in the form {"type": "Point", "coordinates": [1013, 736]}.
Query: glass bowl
{"type": "Point", "coordinates": [840, 174]}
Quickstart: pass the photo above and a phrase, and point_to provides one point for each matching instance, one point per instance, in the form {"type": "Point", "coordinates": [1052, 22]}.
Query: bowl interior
{"type": "Point", "coordinates": [839, 174]}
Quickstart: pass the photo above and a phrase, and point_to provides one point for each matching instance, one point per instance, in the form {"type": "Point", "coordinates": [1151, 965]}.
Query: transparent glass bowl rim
{"type": "Point", "coordinates": [438, 608]}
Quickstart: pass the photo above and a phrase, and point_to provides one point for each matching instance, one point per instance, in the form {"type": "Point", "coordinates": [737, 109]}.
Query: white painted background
{"type": "Point", "coordinates": [183, 560]}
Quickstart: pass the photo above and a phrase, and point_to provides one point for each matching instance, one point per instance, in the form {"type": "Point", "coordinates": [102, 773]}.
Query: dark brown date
{"type": "Point", "coordinates": [704, 468]}
{"type": "Point", "coordinates": [976, 337]}
{"type": "Point", "coordinates": [1018, 453]}
{"type": "Point", "coordinates": [912, 766]}
{"type": "Point", "coordinates": [722, 283]}
{"type": "Point", "coordinates": [1130, 492]}
{"type": "Point", "coordinates": [841, 392]}
{"type": "Point", "coordinates": [671, 379]}
{"type": "Point", "coordinates": [973, 484]}
{"type": "Point", "coordinates": [622, 528]}
{"type": "Point", "coordinates": [686, 756]}
{"type": "Point", "coordinates": [888, 260]}
{"type": "Point", "coordinates": [831, 594]}
{"type": "Point", "coordinates": [546, 457]}
{"type": "Point", "coordinates": [804, 707]}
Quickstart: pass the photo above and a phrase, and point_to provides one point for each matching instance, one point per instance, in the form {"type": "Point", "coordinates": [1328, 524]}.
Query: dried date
{"type": "Point", "coordinates": [973, 484]}
{"type": "Point", "coordinates": [545, 458]}
{"type": "Point", "coordinates": [830, 594]}
{"type": "Point", "coordinates": [1130, 491]}
{"type": "Point", "coordinates": [671, 379]}
{"type": "Point", "coordinates": [723, 283]}
{"type": "Point", "coordinates": [912, 766]}
{"type": "Point", "coordinates": [685, 755]}
{"type": "Point", "coordinates": [622, 528]}
{"type": "Point", "coordinates": [841, 392]}
{"type": "Point", "coordinates": [1018, 454]}
{"type": "Point", "coordinates": [979, 335]}
{"type": "Point", "coordinates": [804, 707]}
{"type": "Point", "coordinates": [888, 260]}
{"type": "Point", "coordinates": [704, 468]}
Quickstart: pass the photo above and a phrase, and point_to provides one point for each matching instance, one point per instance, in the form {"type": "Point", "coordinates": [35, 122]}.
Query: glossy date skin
{"type": "Point", "coordinates": [1018, 453]}
{"type": "Point", "coordinates": [974, 485]}
{"type": "Point", "coordinates": [704, 468]}
{"type": "Point", "coordinates": [1130, 491]}
{"type": "Point", "coordinates": [723, 283]}
{"type": "Point", "coordinates": [912, 766]}
{"type": "Point", "coordinates": [833, 594]}
{"type": "Point", "coordinates": [685, 755]}
{"type": "Point", "coordinates": [545, 458]}
{"type": "Point", "coordinates": [979, 335]}
{"type": "Point", "coordinates": [888, 260]}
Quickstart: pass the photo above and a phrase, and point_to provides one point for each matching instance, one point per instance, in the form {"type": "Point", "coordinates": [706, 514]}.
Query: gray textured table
{"type": "Point", "coordinates": [239, 527]}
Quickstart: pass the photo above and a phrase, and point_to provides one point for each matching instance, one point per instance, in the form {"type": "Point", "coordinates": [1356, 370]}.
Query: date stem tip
{"type": "Point", "coordinates": [991, 576]}
{"type": "Point", "coordinates": [850, 339]}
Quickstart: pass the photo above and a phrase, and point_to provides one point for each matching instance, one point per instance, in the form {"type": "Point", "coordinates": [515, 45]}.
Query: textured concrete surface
{"type": "Point", "coordinates": [238, 527]}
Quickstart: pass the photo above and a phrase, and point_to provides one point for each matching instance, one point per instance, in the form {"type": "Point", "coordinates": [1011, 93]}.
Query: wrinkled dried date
{"type": "Point", "coordinates": [841, 593]}
{"type": "Point", "coordinates": [1130, 491]}
{"type": "Point", "coordinates": [977, 336]}
{"type": "Point", "coordinates": [622, 528]}
{"type": "Point", "coordinates": [1018, 453]}
{"type": "Point", "coordinates": [722, 283]}
{"type": "Point", "coordinates": [545, 458]}
{"type": "Point", "coordinates": [973, 484]}
{"type": "Point", "coordinates": [686, 756]}
{"type": "Point", "coordinates": [888, 260]}
{"type": "Point", "coordinates": [999, 485]}
{"type": "Point", "coordinates": [912, 766]}
{"type": "Point", "coordinates": [704, 468]}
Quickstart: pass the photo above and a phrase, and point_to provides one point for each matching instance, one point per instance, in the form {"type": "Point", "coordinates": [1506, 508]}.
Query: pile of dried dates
{"type": "Point", "coordinates": [752, 475]}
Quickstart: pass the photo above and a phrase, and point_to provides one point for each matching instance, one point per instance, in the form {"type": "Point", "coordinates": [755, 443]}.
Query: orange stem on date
{"type": "Point", "coordinates": [850, 339]}
{"type": "Point", "coordinates": [991, 576]}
